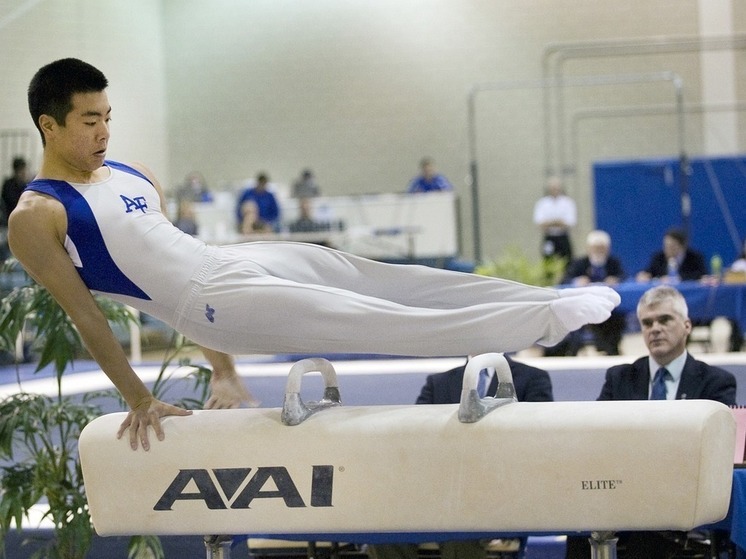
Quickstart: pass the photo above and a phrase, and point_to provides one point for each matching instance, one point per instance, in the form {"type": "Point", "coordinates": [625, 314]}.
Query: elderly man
{"type": "Point", "coordinates": [598, 266]}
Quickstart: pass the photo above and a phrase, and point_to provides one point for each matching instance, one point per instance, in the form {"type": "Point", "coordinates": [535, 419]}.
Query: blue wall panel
{"type": "Point", "coordinates": [637, 201]}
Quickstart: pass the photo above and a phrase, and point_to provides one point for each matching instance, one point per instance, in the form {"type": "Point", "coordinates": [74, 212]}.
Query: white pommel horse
{"type": "Point", "coordinates": [490, 465]}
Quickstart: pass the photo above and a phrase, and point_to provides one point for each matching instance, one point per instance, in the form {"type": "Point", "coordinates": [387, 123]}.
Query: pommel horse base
{"type": "Point", "coordinates": [490, 465]}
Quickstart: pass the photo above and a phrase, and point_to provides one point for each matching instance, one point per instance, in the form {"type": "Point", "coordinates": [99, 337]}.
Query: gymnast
{"type": "Point", "coordinates": [88, 225]}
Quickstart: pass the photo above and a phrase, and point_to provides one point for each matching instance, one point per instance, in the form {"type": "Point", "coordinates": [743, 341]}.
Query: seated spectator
{"type": "Point", "coordinates": [598, 266]}
{"type": "Point", "coordinates": [676, 262]}
{"type": "Point", "coordinates": [266, 203]}
{"type": "Point", "coordinates": [306, 186]}
{"type": "Point", "coordinates": [186, 219]}
{"type": "Point", "coordinates": [251, 223]}
{"type": "Point", "coordinates": [664, 320]}
{"type": "Point", "coordinates": [531, 384]}
{"type": "Point", "coordinates": [429, 180]}
{"type": "Point", "coordinates": [194, 188]}
{"type": "Point", "coordinates": [306, 222]}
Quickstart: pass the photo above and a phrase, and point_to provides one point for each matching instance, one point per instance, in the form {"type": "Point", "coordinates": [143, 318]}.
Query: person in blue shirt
{"type": "Point", "coordinates": [429, 180]}
{"type": "Point", "coordinates": [269, 209]}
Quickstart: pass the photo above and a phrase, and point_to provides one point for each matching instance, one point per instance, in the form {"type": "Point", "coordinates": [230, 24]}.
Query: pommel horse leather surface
{"type": "Point", "coordinates": [524, 467]}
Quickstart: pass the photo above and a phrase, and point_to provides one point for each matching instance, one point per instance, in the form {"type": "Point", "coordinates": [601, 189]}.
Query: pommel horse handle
{"type": "Point", "coordinates": [473, 408]}
{"type": "Point", "coordinates": [294, 411]}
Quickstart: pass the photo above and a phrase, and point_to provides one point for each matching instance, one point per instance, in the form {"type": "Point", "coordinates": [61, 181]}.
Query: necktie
{"type": "Point", "coordinates": [482, 383]}
{"type": "Point", "coordinates": [659, 384]}
{"type": "Point", "coordinates": [598, 273]}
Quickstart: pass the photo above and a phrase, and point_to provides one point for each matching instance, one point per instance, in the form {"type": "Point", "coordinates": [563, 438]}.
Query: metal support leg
{"type": "Point", "coordinates": [603, 545]}
{"type": "Point", "coordinates": [218, 547]}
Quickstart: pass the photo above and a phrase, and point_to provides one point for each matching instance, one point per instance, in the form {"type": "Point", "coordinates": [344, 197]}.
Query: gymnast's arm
{"type": "Point", "coordinates": [227, 390]}
{"type": "Point", "coordinates": [36, 236]}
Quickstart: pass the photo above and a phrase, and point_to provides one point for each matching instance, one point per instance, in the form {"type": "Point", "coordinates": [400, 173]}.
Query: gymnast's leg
{"type": "Point", "coordinates": [420, 286]}
{"type": "Point", "coordinates": [251, 312]}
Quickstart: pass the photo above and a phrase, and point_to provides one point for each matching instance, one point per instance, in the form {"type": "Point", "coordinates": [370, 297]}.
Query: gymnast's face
{"type": "Point", "coordinates": [80, 142]}
{"type": "Point", "coordinates": [665, 331]}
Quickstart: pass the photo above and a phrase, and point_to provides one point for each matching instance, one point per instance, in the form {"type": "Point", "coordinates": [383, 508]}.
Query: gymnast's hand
{"type": "Point", "coordinates": [147, 413]}
{"type": "Point", "coordinates": [228, 392]}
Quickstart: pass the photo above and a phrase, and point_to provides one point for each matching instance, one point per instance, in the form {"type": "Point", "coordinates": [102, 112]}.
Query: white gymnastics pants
{"type": "Point", "coordinates": [278, 297]}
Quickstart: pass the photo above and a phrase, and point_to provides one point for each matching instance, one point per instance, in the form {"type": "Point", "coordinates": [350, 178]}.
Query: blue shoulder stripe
{"type": "Point", "coordinates": [126, 169]}
{"type": "Point", "coordinates": [99, 271]}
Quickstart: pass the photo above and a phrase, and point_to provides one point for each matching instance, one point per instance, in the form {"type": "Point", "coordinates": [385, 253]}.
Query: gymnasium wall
{"type": "Point", "coordinates": [360, 91]}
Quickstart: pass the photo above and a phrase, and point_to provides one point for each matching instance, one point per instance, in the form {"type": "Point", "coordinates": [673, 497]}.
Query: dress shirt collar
{"type": "Point", "coordinates": [675, 367]}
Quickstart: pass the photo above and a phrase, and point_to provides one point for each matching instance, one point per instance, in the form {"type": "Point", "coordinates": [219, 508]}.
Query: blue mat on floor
{"type": "Point", "coordinates": [546, 547]}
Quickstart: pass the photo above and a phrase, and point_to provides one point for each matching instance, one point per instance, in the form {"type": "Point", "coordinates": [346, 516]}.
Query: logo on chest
{"type": "Point", "coordinates": [136, 203]}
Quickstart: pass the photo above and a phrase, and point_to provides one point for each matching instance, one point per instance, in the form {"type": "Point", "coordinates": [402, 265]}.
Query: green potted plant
{"type": "Point", "coordinates": [513, 264]}
{"type": "Point", "coordinates": [39, 462]}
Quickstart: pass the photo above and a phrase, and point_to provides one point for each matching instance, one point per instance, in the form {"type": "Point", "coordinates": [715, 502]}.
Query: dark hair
{"type": "Point", "coordinates": [678, 235]}
{"type": "Point", "coordinates": [53, 86]}
{"type": "Point", "coordinates": [19, 163]}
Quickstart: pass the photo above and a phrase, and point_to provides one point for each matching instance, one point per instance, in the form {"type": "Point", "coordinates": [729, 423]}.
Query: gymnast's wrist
{"type": "Point", "coordinates": [143, 403]}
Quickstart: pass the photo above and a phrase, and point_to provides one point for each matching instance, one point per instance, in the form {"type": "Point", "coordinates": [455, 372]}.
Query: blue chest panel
{"type": "Point", "coordinates": [97, 269]}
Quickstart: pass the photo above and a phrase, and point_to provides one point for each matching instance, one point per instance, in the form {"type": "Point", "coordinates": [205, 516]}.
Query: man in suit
{"type": "Point", "coordinates": [665, 324]}
{"type": "Point", "coordinates": [531, 385]}
{"type": "Point", "coordinates": [598, 266]}
{"type": "Point", "coordinates": [670, 373]}
{"type": "Point", "coordinates": [676, 262]}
